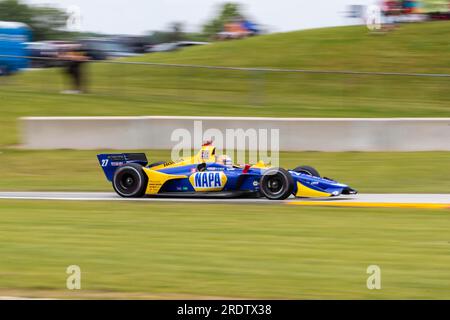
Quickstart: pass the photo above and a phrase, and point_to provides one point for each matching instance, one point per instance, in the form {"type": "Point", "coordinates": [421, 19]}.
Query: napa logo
{"type": "Point", "coordinates": [208, 181]}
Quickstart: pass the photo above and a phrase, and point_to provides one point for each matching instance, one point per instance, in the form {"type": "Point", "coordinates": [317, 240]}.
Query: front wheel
{"type": "Point", "coordinates": [130, 181]}
{"type": "Point", "coordinates": [307, 170]}
{"type": "Point", "coordinates": [277, 184]}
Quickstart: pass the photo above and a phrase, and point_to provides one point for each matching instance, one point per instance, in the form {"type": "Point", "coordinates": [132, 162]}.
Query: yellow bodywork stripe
{"type": "Point", "coordinates": [206, 154]}
{"type": "Point", "coordinates": [304, 191]}
{"type": "Point", "coordinates": [157, 179]}
{"type": "Point", "coordinates": [342, 203]}
{"type": "Point", "coordinates": [260, 165]}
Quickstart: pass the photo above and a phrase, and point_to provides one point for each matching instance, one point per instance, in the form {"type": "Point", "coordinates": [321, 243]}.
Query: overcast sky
{"type": "Point", "coordinates": [141, 16]}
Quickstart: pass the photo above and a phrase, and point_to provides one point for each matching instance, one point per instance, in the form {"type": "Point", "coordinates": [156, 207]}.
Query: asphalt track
{"type": "Point", "coordinates": [426, 201]}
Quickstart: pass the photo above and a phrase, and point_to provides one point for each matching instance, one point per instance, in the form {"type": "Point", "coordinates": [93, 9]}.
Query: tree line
{"type": "Point", "coordinates": [49, 23]}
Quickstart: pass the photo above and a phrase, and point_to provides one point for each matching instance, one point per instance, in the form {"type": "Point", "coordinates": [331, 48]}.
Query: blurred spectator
{"type": "Point", "coordinates": [74, 60]}
{"type": "Point", "coordinates": [400, 11]}
{"type": "Point", "coordinates": [390, 10]}
{"type": "Point", "coordinates": [250, 27]}
{"type": "Point", "coordinates": [410, 7]}
{"type": "Point", "coordinates": [391, 7]}
{"type": "Point", "coordinates": [238, 28]}
{"type": "Point", "coordinates": [230, 23]}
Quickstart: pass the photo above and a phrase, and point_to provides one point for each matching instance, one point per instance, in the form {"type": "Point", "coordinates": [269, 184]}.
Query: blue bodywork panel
{"type": "Point", "coordinates": [110, 162]}
{"type": "Point", "coordinates": [236, 179]}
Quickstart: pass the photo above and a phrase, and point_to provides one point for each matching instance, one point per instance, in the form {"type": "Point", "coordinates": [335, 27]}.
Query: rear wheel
{"type": "Point", "coordinates": [130, 181]}
{"type": "Point", "coordinates": [307, 170]}
{"type": "Point", "coordinates": [277, 184]}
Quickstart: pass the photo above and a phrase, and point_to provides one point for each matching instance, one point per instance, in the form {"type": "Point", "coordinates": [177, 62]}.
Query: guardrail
{"type": "Point", "coordinates": [295, 134]}
{"type": "Point", "coordinates": [261, 69]}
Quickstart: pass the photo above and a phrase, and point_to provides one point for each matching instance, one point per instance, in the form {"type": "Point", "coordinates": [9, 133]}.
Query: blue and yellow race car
{"type": "Point", "coordinates": [209, 175]}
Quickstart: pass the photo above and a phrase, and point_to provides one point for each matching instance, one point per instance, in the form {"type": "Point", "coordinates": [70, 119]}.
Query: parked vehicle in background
{"type": "Point", "coordinates": [135, 44]}
{"type": "Point", "coordinates": [163, 47]}
{"type": "Point", "coordinates": [183, 44]}
{"type": "Point", "coordinates": [44, 54]}
{"type": "Point", "coordinates": [40, 52]}
{"type": "Point", "coordinates": [105, 48]}
{"type": "Point", "coordinates": [95, 49]}
{"type": "Point", "coordinates": [173, 46]}
{"type": "Point", "coordinates": [13, 49]}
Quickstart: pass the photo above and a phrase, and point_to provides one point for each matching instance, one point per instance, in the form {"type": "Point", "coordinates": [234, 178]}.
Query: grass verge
{"type": "Point", "coordinates": [374, 172]}
{"type": "Point", "coordinates": [251, 251]}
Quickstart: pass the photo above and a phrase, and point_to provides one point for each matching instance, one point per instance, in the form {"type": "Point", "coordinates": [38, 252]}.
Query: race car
{"type": "Point", "coordinates": [210, 175]}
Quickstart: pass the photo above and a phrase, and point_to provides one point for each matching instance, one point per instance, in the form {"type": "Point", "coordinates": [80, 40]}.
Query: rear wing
{"type": "Point", "coordinates": [110, 162]}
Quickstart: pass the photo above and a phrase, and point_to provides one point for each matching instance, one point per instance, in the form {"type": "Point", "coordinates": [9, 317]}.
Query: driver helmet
{"type": "Point", "coordinates": [224, 160]}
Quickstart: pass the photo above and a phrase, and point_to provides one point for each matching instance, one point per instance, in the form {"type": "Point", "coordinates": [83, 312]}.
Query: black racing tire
{"type": "Point", "coordinates": [156, 164]}
{"type": "Point", "coordinates": [130, 181]}
{"type": "Point", "coordinates": [277, 184]}
{"type": "Point", "coordinates": [307, 170]}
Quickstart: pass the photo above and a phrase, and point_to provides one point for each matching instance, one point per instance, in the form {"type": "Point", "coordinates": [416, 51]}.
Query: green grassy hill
{"type": "Point", "coordinates": [412, 48]}
{"type": "Point", "coordinates": [154, 90]}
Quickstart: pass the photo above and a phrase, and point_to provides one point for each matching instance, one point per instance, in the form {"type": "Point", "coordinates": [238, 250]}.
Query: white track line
{"type": "Point", "coordinates": [22, 298]}
{"type": "Point", "coordinates": [110, 196]}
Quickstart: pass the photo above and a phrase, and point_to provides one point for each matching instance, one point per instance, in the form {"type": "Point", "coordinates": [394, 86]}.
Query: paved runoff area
{"type": "Point", "coordinates": [425, 201]}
